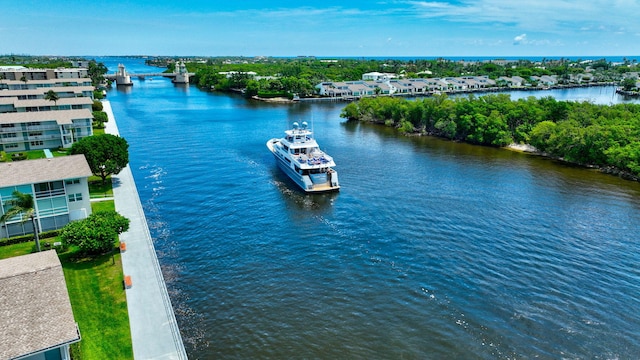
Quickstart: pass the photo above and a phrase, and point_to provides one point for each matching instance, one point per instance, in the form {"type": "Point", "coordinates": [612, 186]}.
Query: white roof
{"type": "Point", "coordinates": [35, 311]}
{"type": "Point", "coordinates": [61, 117]}
{"type": "Point", "coordinates": [42, 170]}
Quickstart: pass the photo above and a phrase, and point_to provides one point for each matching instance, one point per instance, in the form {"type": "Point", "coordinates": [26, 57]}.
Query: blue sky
{"type": "Point", "coordinates": [322, 28]}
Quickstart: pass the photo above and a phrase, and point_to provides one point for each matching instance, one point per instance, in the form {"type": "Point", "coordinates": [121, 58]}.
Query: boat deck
{"type": "Point", "coordinates": [323, 188]}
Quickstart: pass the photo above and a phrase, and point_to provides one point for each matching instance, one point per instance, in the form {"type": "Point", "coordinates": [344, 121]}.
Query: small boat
{"type": "Point", "coordinates": [300, 157]}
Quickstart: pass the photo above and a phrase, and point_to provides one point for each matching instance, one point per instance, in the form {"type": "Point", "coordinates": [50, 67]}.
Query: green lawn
{"type": "Point", "coordinates": [97, 297]}
{"type": "Point", "coordinates": [39, 154]}
{"type": "Point", "coordinates": [35, 154]}
{"type": "Point", "coordinates": [99, 190]}
{"type": "Point", "coordinates": [103, 205]}
{"type": "Point", "coordinates": [99, 306]}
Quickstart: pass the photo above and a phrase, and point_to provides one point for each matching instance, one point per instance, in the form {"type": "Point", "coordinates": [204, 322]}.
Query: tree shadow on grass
{"type": "Point", "coordinates": [78, 260]}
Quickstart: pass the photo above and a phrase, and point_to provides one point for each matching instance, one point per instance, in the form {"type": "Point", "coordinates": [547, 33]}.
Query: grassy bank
{"type": "Point", "coordinates": [97, 298]}
{"type": "Point", "coordinates": [99, 306]}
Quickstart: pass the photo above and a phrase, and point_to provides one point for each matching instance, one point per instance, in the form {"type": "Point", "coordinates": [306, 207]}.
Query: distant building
{"type": "Point", "coordinates": [375, 76]}
{"type": "Point", "coordinates": [19, 73]}
{"type": "Point", "coordinates": [36, 320]}
{"type": "Point", "coordinates": [514, 81]}
{"type": "Point", "coordinates": [59, 187]}
{"type": "Point", "coordinates": [229, 74]}
{"type": "Point", "coordinates": [83, 83]}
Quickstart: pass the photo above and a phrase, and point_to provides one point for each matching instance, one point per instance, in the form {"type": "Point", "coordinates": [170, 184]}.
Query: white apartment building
{"type": "Point", "coordinates": [21, 131]}
{"type": "Point", "coordinates": [20, 72]}
{"type": "Point", "coordinates": [59, 187]}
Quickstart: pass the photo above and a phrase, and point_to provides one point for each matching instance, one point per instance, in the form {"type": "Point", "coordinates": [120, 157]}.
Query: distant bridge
{"type": "Point", "coordinates": [179, 75]}
{"type": "Point", "coordinates": [145, 75]}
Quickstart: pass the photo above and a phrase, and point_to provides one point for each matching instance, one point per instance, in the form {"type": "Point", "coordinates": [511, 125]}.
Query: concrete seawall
{"type": "Point", "coordinates": [154, 330]}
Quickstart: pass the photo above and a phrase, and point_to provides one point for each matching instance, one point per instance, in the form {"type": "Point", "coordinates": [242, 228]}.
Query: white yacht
{"type": "Point", "coordinates": [300, 157]}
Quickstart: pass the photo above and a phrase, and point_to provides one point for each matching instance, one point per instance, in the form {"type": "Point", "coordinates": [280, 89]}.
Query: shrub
{"type": "Point", "coordinates": [95, 234]}
{"type": "Point", "coordinates": [26, 238]}
{"type": "Point", "coordinates": [18, 156]}
{"type": "Point", "coordinates": [97, 105]}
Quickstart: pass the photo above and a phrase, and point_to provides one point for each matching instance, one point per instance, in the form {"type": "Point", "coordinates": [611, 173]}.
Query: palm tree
{"type": "Point", "coordinates": [22, 204]}
{"type": "Point", "coordinates": [52, 96]}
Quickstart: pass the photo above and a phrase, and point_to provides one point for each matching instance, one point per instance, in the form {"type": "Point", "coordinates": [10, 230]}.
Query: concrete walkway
{"type": "Point", "coordinates": [154, 331]}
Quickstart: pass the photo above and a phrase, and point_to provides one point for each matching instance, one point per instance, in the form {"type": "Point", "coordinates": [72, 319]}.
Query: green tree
{"type": "Point", "coordinates": [106, 154]}
{"type": "Point", "coordinates": [52, 96]}
{"type": "Point", "coordinates": [97, 233]}
{"type": "Point", "coordinates": [97, 105]}
{"type": "Point", "coordinates": [22, 204]}
{"type": "Point", "coordinates": [99, 118]}
{"type": "Point", "coordinates": [96, 72]}
{"type": "Point", "coordinates": [628, 84]}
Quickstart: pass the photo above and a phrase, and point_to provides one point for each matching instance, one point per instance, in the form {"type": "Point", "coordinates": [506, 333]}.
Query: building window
{"type": "Point", "coordinates": [37, 143]}
{"type": "Point", "coordinates": [11, 146]}
{"type": "Point", "coordinates": [46, 189]}
{"type": "Point", "coordinates": [75, 197]}
{"type": "Point", "coordinates": [72, 181]}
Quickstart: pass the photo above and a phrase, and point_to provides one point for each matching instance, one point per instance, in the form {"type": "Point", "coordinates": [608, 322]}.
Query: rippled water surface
{"type": "Point", "coordinates": [431, 250]}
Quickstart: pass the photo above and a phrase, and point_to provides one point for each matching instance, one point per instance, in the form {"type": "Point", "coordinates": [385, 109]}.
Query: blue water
{"type": "Point", "coordinates": [431, 249]}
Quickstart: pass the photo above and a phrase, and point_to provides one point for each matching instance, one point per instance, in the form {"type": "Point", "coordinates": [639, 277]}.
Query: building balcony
{"type": "Point", "coordinates": [11, 140]}
{"type": "Point", "coordinates": [43, 137]}
{"type": "Point", "coordinates": [42, 127]}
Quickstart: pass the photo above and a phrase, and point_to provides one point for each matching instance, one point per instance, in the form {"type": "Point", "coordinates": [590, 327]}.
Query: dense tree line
{"type": "Point", "coordinates": [578, 132]}
{"type": "Point", "coordinates": [300, 75]}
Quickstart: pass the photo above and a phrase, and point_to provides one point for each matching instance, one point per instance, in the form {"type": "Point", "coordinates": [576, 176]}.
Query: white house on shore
{"type": "Point", "coordinates": [404, 86]}
{"type": "Point", "coordinates": [59, 187]}
{"type": "Point", "coordinates": [36, 318]}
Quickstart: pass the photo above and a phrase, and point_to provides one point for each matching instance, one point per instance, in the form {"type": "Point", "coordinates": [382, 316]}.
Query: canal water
{"type": "Point", "coordinates": [431, 249]}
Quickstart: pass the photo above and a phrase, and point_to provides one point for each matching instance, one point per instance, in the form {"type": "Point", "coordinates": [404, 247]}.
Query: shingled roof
{"type": "Point", "coordinates": [42, 170]}
{"type": "Point", "coordinates": [35, 312]}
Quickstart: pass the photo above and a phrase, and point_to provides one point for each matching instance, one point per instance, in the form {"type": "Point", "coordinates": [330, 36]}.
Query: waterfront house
{"type": "Point", "coordinates": [479, 82]}
{"type": "Point", "coordinates": [59, 187]}
{"type": "Point", "coordinates": [382, 86]}
{"type": "Point", "coordinates": [36, 321]}
{"type": "Point", "coordinates": [456, 83]}
{"type": "Point", "coordinates": [409, 86]}
{"type": "Point", "coordinates": [333, 89]}
{"type": "Point", "coordinates": [545, 80]}
{"type": "Point", "coordinates": [514, 81]}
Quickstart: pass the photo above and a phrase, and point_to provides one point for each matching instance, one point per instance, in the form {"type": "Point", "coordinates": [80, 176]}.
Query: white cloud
{"type": "Point", "coordinates": [550, 15]}
{"type": "Point", "coordinates": [520, 39]}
